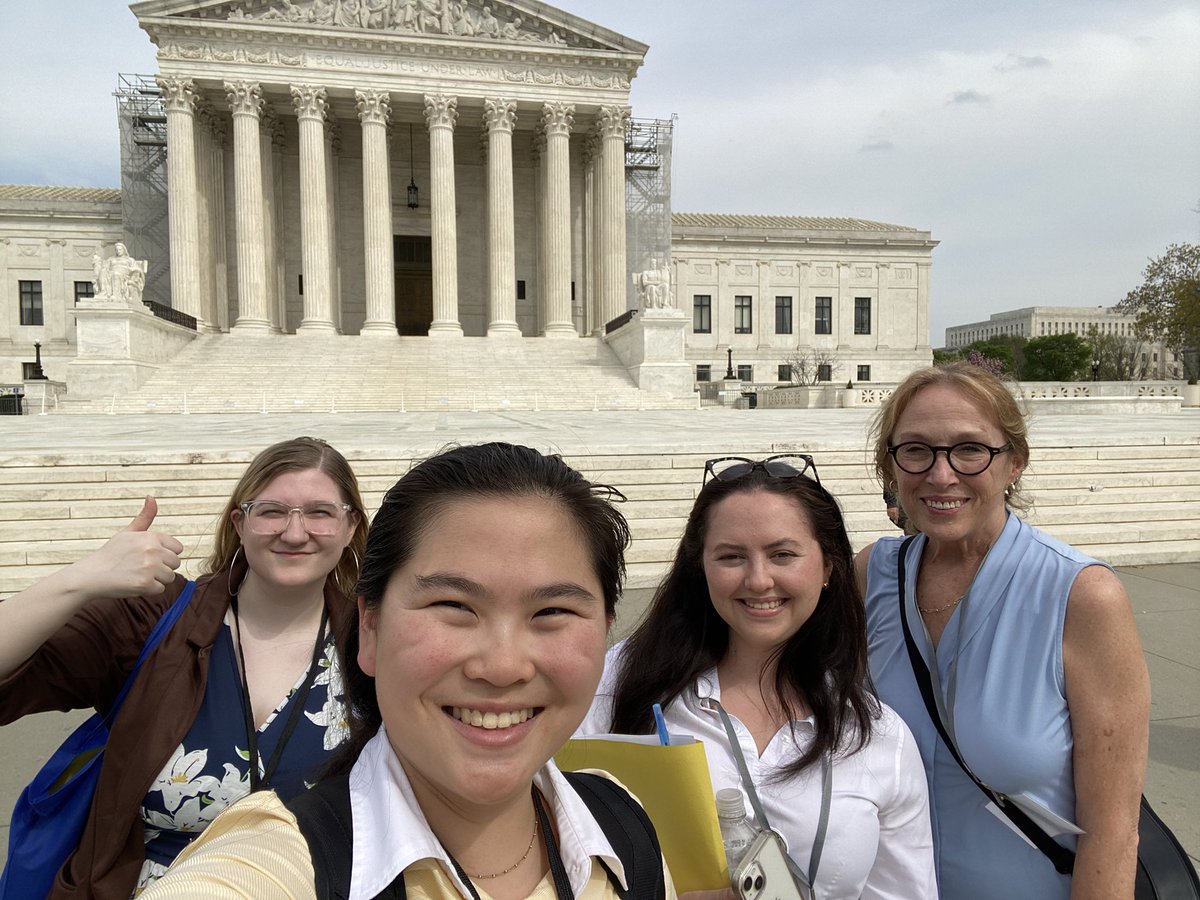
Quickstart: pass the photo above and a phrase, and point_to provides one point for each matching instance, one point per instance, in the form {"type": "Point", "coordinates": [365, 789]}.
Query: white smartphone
{"type": "Point", "coordinates": [763, 873]}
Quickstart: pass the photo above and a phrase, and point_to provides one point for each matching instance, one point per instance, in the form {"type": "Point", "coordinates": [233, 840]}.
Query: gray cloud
{"type": "Point", "coordinates": [1016, 61]}
{"type": "Point", "coordinates": [971, 96]}
{"type": "Point", "coordinates": [876, 145]}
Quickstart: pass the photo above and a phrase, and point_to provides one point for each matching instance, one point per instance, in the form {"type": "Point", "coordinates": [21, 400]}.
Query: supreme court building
{"type": "Point", "coordinates": [449, 168]}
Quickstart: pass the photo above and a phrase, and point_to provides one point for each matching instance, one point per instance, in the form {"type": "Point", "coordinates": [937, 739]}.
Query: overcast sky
{"type": "Point", "coordinates": [1051, 146]}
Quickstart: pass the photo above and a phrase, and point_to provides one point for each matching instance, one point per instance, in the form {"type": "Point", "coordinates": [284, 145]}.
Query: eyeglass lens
{"type": "Point", "coordinates": [735, 467]}
{"type": "Point", "coordinates": [273, 518]}
{"type": "Point", "coordinates": [967, 458]}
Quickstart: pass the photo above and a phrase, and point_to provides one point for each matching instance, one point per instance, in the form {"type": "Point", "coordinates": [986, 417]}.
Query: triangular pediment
{"type": "Point", "coordinates": [528, 23]}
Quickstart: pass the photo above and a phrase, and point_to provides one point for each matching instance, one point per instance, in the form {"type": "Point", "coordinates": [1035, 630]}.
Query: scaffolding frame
{"type": "Point", "coordinates": [142, 121]}
{"type": "Point", "coordinates": [648, 144]}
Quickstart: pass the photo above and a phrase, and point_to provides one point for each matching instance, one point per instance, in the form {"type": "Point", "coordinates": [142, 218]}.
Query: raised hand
{"type": "Point", "coordinates": [134, 562]}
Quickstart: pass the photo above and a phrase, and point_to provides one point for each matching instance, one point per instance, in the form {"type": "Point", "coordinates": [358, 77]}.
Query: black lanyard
{"type": "Point", "coordinates": [257, 784]}
{"type": "Point", "coordinates": [562, 884]}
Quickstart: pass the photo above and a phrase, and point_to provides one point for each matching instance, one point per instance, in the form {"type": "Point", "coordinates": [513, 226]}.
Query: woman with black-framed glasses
{"type": "Point", "coordinates": [1024, 648]}
{"type": "Point", "coordinates": [755, 643]}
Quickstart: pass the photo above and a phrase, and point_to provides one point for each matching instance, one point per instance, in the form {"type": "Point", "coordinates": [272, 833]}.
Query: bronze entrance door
{"type": "Point", "coordinates": [414, 283]}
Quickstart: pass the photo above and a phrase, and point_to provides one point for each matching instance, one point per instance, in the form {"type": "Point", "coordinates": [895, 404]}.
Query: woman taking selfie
{"type": "Point", "coordinates": [488, 584]}
{"type": "Point", "coordinates": [758, 630]}
{"type": "Point", "coordinates": [1034, 666]}
{"type": "Point", "coordinates": [241, 694]}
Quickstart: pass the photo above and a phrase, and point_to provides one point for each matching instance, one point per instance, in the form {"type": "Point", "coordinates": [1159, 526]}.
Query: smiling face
{"type": "Point", "coordinates": [764, 569]}
{"type": "Point", "coordinates": [943, 504]}
{"type": "Point", "coordinates": [486, 649]}
{"type": "Point", "coordinates": [295, 559]}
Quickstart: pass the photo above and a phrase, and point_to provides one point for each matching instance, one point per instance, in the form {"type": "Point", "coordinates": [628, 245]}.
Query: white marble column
{"type": "Point", "coordinates": [184, 220]}
{"type": "Point", "coordinates": [333, 150]}
{"type": "Point", "coordinates": [245, 102]}
{"type": "Point", "coordinates": [537, 158]}
{"type": "Point", "coordinates": [613, 290]}
{"type": "Point", "coordinates": [374, 108]}
{"type": "Point", "coordinates": [591, 236]}
{"type": "Point", "coordinates": [556, 121]}
{"type": "Point", "coordinates": [215, 173]}
{"type": "Point", "coordinates": [205, 118]}
{"type": "Point", "coordinates": [314, 210]}
{"type": "Point", "coordinates": [279, 317]}
{"type": "Point", "coordinates": [268, 141]}
{"type": "Point", "coordinates": [499, 117]}
{"type": "Point", "coordinates": [440, 114]}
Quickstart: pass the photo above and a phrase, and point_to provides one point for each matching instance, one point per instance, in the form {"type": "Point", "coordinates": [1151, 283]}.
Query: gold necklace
{"type": "Point", "coordinates": [524, 856]}
{"type": "Point", "coordinates": [940, 609]}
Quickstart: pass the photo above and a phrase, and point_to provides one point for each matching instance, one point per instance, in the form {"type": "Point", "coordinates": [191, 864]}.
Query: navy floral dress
{"type": "Point", "coordinates": [210, 769]}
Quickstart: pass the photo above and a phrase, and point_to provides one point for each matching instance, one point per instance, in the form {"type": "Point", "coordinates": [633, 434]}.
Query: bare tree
{"type": "Point", "coordinates": [806, 363]}
{"type": "Point", "coordinates": [1120, 358]}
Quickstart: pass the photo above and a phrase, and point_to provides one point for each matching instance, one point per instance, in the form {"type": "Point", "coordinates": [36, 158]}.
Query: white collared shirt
{"type": "Point", "coordinates": [878, 843]}
{"type": "Point", "coordinates": [391, 833]}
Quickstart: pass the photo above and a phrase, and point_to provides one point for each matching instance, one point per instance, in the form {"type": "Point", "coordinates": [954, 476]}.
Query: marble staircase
{"type": "Point", "coordinates": [273, 373]}
{"type": "Point", "coordinates": [1129, 503]}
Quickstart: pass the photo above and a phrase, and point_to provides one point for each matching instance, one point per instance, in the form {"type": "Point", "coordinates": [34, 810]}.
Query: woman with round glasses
{"type": "Point", "coordinates": [755, 643]}
{"type": "Point", "coordinates": [243, 693]}
{"type": "Point", "coordinates": [1035, 670]}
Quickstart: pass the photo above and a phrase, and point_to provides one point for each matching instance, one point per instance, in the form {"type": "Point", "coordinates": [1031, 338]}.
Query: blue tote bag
{"type": "Point", "coordinates": [50, 813]}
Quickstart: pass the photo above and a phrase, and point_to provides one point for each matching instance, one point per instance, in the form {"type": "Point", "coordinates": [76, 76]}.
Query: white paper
{"type": "Point", "coordinates": [1049, 821]}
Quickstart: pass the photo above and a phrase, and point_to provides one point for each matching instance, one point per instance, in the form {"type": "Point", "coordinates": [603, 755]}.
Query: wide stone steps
{"type": "Point", "coordinates": [234, 373]}
{"type": "Point", "coordinates": [1125, 504]}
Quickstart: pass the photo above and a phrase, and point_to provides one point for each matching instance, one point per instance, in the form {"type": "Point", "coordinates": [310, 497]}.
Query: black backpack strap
{"type": "Point", "coordinates": [1062, 858]}
{"type": "Point", "coordinates": [327, 824]}
{"type": "Point", "coordinates": [629, 830]}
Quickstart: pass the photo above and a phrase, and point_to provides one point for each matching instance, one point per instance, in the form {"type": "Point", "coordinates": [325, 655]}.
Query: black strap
{"type": "Point", "coordinates": [1062, 858]}
{"type": "Point", "coordinates": [300, 698]}
{"type": "Point", "coordinates": [326, 822]}
{"type": "Point", "coordinates": [630, 831]}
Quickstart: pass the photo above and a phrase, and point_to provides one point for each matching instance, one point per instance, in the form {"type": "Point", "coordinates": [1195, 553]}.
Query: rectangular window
{"type": "Point", "coordinates": [702, 313]}
{"type": "Point", "coordinates": [521, 289]}
{"type": "Point", "coordinates": [825, 372]}
{"type": "Point", "coordinates": [824, 315]}
{"type": "Point", "coordinates": [31, 302]}
{"type": "Point", "coordinates": [862, 315]}
{"type": "Point", "coordinates": [743, 315]}
{"type": "Point", "coordinates": [84, 289]}
{"type": "Point", "coordinates": [783, 315]}
{"type": "Point", "coordinates": [864, 373]}
{"type": "Point", "coordinates": [745, 373]}
{"type": "Point", "coordinates": [785, 372]}
{"type": "Point", "coordinates": [703, 373]}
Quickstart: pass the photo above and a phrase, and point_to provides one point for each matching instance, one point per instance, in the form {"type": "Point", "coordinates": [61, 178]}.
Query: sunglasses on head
{"type": "Point", "coordinates": [782, 465]}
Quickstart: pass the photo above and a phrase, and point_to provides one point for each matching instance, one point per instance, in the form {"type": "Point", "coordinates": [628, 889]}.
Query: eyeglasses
{"type": "Point", "coordinates": [269, 517]}
{"type": "Point", "coordinates": [965, 458]}
{"type": "Point", "coordinates": [782, 465]}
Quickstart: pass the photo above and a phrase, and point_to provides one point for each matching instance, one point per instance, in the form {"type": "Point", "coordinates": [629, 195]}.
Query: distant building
{"type": "Point", "coordinates": [1043, 321]}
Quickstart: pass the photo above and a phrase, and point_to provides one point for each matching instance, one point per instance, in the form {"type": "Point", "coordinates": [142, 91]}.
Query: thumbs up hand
{"type": "Point", "coordinates": [135, 561]}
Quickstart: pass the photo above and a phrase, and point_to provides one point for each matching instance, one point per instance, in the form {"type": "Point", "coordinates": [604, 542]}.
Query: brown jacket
{"type": "Point", "coordinates": [84, 665]}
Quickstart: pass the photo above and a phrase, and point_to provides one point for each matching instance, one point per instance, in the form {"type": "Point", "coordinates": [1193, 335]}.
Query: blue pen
{"type": "Point", "coordinates": [663, 737]}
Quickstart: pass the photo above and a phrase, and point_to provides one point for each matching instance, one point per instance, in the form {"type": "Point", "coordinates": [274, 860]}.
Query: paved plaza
{"type": "Point", "coordinates": [1165, 598]}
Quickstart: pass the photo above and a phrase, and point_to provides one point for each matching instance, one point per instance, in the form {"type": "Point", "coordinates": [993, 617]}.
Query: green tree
{"type": "Point", "coordinates": [944, 356]}
{"type": "Point", "coordinates": [1167, 303]}
{"type": "Point", "coordinates": [1057, 357]}
{"type": "Point", "coordinates": [1007, 348]}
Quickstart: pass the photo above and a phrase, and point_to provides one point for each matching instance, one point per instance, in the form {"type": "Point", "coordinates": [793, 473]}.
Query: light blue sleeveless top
{"type": "Point", "coordinates": [1000, 669]}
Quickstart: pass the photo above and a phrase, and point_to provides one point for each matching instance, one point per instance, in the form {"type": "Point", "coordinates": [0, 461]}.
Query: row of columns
{"type": "Point", "coordinates": [194, 248]}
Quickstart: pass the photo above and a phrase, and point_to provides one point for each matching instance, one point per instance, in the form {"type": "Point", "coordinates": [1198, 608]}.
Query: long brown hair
{"type": "Point", "coordinates": [296, 455]}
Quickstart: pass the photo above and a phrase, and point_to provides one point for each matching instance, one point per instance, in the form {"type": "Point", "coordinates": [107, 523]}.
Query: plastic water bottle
{"type": "Point", "coordinates": [737, 829]}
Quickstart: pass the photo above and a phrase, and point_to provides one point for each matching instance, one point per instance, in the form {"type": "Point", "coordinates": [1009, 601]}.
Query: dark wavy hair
{"type": "Point", "coordinates": [495, 470]}
{"type": "Point", "coordinates": [824, 662]}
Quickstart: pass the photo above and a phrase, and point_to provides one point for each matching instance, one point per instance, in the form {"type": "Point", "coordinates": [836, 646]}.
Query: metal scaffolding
{"type": "Point", "coordinates": [647, 194]}
{"type": "Point", "coordinates": [143, 126]}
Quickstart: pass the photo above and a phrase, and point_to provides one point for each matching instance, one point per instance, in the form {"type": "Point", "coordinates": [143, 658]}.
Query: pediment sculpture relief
{"type": "Point", "coordinates": [453, 18]}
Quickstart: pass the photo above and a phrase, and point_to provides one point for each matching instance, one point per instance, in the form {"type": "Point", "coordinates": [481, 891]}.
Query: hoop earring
{"type": "Point", "coordinates": [233, 592]}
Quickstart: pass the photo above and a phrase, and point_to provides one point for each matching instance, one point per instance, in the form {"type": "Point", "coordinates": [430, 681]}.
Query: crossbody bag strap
{"type": "Point", "coordinates": [814, 860]}
{"type": "Point", "coordinates": [165, 622]}
{"type": "Point", "coordinates": [1062, 858]}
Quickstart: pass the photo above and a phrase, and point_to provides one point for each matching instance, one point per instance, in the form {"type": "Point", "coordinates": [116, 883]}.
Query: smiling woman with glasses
{"type": "Point", "coordinates": [755, 643]}
{"type": "Point", "coordinates": [1020, 648]}
{"type": "Point", "coordinates": [242, 694]}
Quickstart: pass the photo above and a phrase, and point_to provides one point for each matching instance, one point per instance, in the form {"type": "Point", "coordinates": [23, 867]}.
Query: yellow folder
{"type": "Point", "coordinates": [674, 786]}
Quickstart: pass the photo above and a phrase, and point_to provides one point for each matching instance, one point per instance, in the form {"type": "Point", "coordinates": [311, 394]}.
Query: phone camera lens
{"type": "Point", "coordinates": [758, 883]}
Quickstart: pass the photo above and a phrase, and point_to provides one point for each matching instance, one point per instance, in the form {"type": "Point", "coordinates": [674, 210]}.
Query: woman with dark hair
{"type": "Point", "coordinates": [759, 628]}
{"type": "Point", "coordinates": [487, 588]}
{"type": "Point", "coordinates": [242, 693]}
{"type": "Point", "coordinates": [1035, 669]}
